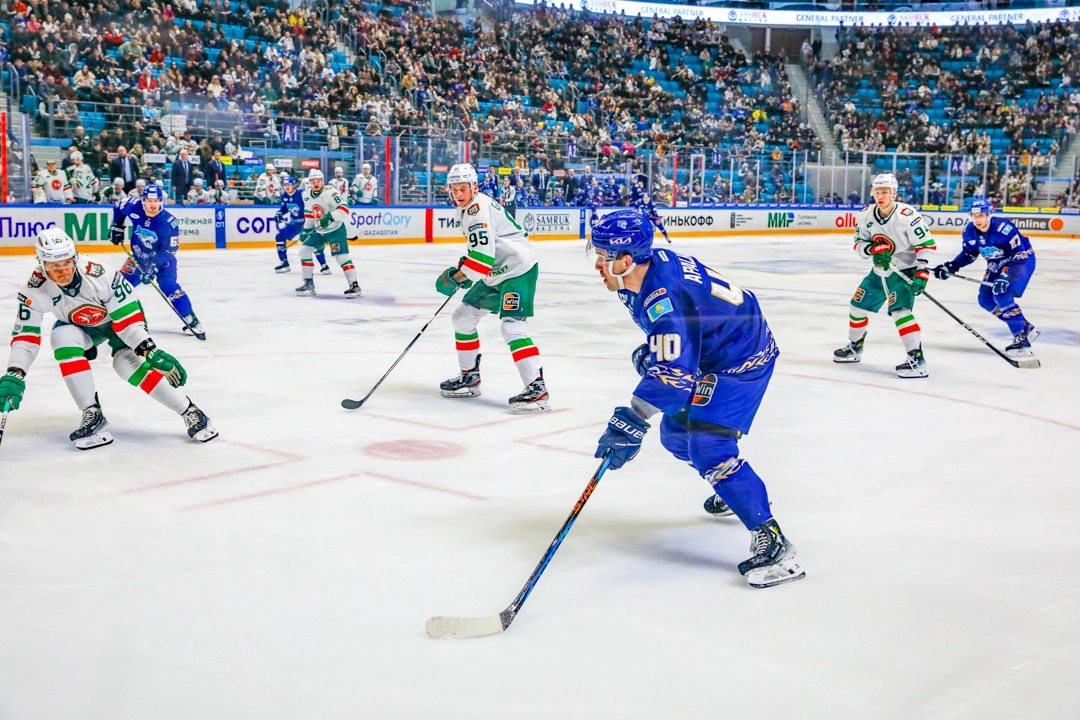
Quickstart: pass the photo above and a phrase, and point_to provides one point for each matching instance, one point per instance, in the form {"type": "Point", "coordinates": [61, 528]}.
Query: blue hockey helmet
{"type": "Point", "coordinates": [152, 192]}
{"type": "Point", "coordinates": [623, 231]}
{"type": "Point", "coordinates": [288, 179]}
{"type": "Point", "coordinates": [982, 205]}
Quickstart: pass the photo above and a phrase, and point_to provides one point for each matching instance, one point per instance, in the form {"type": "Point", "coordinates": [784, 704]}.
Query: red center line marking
{"type": "Point", "coordinates": [532, 440]}
{"type": "Point", "coordinates": [279, 453]}
{"type": "Point", "coordinates": [264, 493]}
{"type": "Point", "coordinates": [936, 397]}
{"type": "Point", "coordinates": [467, 427]}
{"type": "Point", "coordinates": [289, 458]}
{"type": "Point", "coordinates": [414, 483]}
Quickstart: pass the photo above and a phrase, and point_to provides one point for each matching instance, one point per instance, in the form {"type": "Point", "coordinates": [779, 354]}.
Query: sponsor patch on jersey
{"type": "Point", "coordinates": [87, 315]}
{"type": "Point", "coordinates": [915, 221]}
{"type": "Point", "coordinates": [94, 270]}
{"type": "Point", "coordinates": [25, 300]}
{"type": "Point", "coordinates": [859, 295]}
{"type": "Point", "coordinates": [473, 209]}
{"type": "Point", "coordinates": [477, 226]}
{"type": "Point", "coordinates": [36, 280]}
{"type": "Point", "coordinates": [663, 307]}
{"type": "Point", "coordinates": [655, 294]}
{"type": "Point", "coordinates": [703, 391]}
{"type": "Point", "coordinates": [511, 302]}
{"type": "Point", "coordinates": [906, 211]}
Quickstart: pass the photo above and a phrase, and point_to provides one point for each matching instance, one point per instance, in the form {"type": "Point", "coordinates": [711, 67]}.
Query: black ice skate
{"type": "Point", "coordinates": [1021, 344]}
{"type": "Point", "coordinates": [1032, 332]}
{"type": "Point", "coordinates": [353, 293]}
{"type": "Point", "coordinates": [914, 366]}
{"type": "Point", "coordinates": [773, 560]}
{"type": "Point", "coordinates": [308, 288]}
{"type": "Point", "coordinates": [283, 267]}
{"type": "Point", "coordinates": [198, 425]}
{"type": "Point", "coordinates": [194, 326]}
{"type": "Point", "coordinates": [534, 398]}
{"type": "Point", "coordinates": [717, 507]}
{"type": "Point", "coordinates": [466, 384]}
{"type": "Point", "coordinates": [850, 353]}
{"type": "Point", "coordinates": [94, 430]}
{"type": "Point", "coordinates": [324, 270]}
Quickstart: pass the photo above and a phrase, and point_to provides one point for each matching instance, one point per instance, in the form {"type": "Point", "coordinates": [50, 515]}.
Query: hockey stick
{"type": "Point", "coordinates": [468, 627]}
{"type": "Point", "coordinates": [3, 418]}
{"type": "Point", "coordinates": [973, 280]}
{"type": "Point", "coordinates": [154, 284]}
{"type": "Point", "coordinates": [354, 404]}
{"type": "Point", "coordinates": [1025, 363]}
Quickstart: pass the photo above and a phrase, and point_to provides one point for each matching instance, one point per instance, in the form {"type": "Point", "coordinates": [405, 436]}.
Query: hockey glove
{"type": "Point", "coordinates": [625, 431]}
{"type": "Point", "coordinates": [1001, 286]}
{"type": "Point", "coordinates": [116, 234]}
{"type": "Point", "coordinates": [163, 362]}
{"type": "Point", "coordinates": [881, 252]}
{"type": "Point", "coordinates": [148, 274]}
{"type": "Point", "coordinates": [279, 218]}
{"type": "Point", "coordinates": [12, 387]}
{"type": "Point", "coordinates": [447, 285]}
{"type": "Point", "coordinates": [326, 220]}
{"type": "Point", "coordinates": [918, 283]}
{"type": "Point", "coordinates": [642, 359]}
{"type": "Point", "coordinates": [945, 270]}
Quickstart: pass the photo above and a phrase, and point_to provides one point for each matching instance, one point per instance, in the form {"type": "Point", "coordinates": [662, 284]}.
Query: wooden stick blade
{"type": "Point", "coordinates": [464, 627]}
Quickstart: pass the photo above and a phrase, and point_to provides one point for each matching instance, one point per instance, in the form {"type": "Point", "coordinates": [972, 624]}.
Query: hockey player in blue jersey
{"type": "Point", "coordinates": [490, 184]}
{"type": "Point", "coordinates": [705, 367]}
{"type": "Point", "coordinates": [1010, 262]}
{"type": "Point", "coordinates": [594, 195]}
{"type": "Point", "coordinates": [291, 215]}
{"type": "Point", "coordinates": [155, 238]}
{"type": "Point", "coordinates": [640, 197]}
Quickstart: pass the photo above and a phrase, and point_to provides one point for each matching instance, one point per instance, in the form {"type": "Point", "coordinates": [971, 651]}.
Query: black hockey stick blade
{"type": "Point", "coordinates": [469, 627]}
{"type": "Point", "coordinates": [351, 404]}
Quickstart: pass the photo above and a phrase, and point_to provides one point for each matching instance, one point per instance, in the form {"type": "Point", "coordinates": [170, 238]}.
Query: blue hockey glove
{"type": "Point", "coordinates": [116, 234]}
{"type": "Point", "coordinates": [279, 218]}
{"type": "Point", "coordinates": [625, 431]}
{"type": "Point", "coordinates": [945, 270]}
{"type": "Point", "coordinates": [1001, 286]}
{"type": "Point", "coordinates": [642, 358]}
{"type": "Point", "coordinates": [148, 274]}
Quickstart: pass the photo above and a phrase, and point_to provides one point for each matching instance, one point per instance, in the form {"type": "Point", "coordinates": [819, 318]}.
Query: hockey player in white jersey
{"type": "Point", "coordinates": [325, 218]}
{"type": "Point", "coordinates": [84, 184]}
{"type": "Point", "coordinates": [365, 186]}
{"type": "Point", "coordinates": [93, 307]}
{"type": "Point", "coordinates": [339, 182]}
{"type": "Point", "coordinates": [198, 195]}
{"type": "Point", "coordinates": [268, 187]}
{"type": "Point", "coordinates": [113, 193]}
{"type": "Point", "coordinates": [53, 183]}
{"type": "Point", "coordinates": [895, 236]}
{"type": "Point", "coordinates": [500, 271]}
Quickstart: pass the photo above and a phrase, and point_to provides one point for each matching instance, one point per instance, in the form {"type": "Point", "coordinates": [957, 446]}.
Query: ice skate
{"type": "Point", "coordinates": [466, 384]}
{"type": "Point", "coordinates": [1032, 332]}
{"type": "Point", "coordinates": [198, 425]}
{"type": "Point", "coordinates": [94, 430]}
{"type": "Point", "coordinates": [850, 353]}
{"type": "Point", "coordinates": [773, 560]}
{"type": "Point", "coordinates": [353, 293]}
{"type": "Point", "coordinates": [324, 270]}
{"type": "Point", "coordinates": [307, 289]}
{"type": "Point", "coordinates": [283, 267]}
{"type": "Point", "coordinates": [1021, 346]}
{"type": "Point", "coordinates": [717, 507]}
{"type": "Point", "coordinates": [914, 366]}
{"type": "Point", "coordinates": [195, 327]}
{"type": "Point", "coordinates": [534, 398]}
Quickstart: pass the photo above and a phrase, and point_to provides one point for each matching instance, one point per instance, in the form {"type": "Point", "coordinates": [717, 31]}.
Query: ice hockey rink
{"type": "Point", "coordinates": [286, 569]}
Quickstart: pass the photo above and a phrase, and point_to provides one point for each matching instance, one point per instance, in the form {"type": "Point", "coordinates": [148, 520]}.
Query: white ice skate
{"type": "Point", "coordinates": [465, 385]}
{"type": "Point", "coordinates": [534, 398]}
{"type": "Point", "coordinates": [307, 289]}
{"type": "Point", "coordinates": [773, 561]}
{"type": "Point", "coordinates": [850, 353]}
{"type": "Point", "coordinates": [93, 431]}
{"type": "Point", "coordinates": [198, 425]}
{"type": "Point", "coordinates": [353, 293]}
{"type": "Point", "coordinates": [914, 366]}
{"type": "Point", "coordinates": [1021, 345]}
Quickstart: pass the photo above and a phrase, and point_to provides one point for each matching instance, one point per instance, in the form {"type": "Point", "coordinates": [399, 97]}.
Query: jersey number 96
{"type": "Point", "coordinates": [665, 348]}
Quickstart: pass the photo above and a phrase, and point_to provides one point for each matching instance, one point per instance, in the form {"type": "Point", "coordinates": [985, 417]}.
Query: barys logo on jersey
{"type": "Point", "coordinates": [87, 315]}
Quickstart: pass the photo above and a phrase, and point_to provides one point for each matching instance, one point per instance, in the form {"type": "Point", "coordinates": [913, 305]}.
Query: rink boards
{"type": "Point", "coordinates": [249, 226]}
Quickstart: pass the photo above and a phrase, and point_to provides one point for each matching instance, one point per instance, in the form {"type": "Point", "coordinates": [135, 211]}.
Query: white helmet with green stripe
{"type": "Point", "coordinates": [53, 245]}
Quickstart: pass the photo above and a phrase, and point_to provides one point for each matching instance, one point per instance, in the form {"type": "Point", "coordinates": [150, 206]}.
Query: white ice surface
{"type": "Point", "coordinates": [286, 570]}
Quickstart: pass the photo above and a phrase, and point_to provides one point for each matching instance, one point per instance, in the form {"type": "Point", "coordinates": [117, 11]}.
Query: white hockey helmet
{"type": "Point", "coordinates": [885, 180]}
{"type": "Point", "coordinates": [140, 183]}
{"type": "Point", "coordinates": [365, 166]}
{"type": "Point", "coordinates": [197, 182]}
{"type": "Point", "coordinates": [53, 245]}
{"type": "Point", "coordinates": [118, 181]}
{"type": "Point", "coordinates": [315, 175]}
{"type": "Point", "coordinates": [76, 156]}
{"type": "Point", "coordinates": [339, 171]}
{"type": "Point", "coordinates": [461, 173]}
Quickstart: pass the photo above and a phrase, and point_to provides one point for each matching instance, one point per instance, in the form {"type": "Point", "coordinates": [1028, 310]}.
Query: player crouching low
{"type": "Point", "coordinates": [500, 272]}
{"type": "Point", "coordinates": [325, 219]}
{"type": "Point", "coordinates": [898, 241]}
{"type": "Point", "coordinates": [706, 367]}
{"type": "Point", "coordinates": [92, 306]}
{"type": "Point", "coordinates": [1010, 262]}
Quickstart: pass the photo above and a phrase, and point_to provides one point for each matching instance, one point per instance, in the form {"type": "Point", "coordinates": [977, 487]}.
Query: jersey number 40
{"type": "Point", "coordinates": [665, 348]}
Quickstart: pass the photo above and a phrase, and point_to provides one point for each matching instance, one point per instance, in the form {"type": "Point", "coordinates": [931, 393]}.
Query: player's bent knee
{"type": "Point", "coordinates": [513, 329]}
{"type": "Point", "coordinates": [64, 336]}
{"type": "Point", "coordinates": [709, 451]}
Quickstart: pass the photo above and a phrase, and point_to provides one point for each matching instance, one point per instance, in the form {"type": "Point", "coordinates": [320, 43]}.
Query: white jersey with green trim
{"type": "Point", "coordinates": [55, 185]}
{"type": "Point", "coordinates": [84, 184]}
{"type": "Point", "coordinates": [97, 299]}
{"type": "Point", "coordinates": [328, 202]}
{"type": "Point", "coordinates": [913, 243]}
{"type": "Point", "coordinates": [498, 249]}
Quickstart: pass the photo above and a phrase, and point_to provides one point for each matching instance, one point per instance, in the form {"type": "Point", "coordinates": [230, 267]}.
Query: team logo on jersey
{"type": "Point", "coordinates": [317, 211]}
{"type": "Point", "coordinates": [94, 270]}
{"type": "Point", "coordinates": [704, 389]}
{"type": "Point", "coordinates": [87, 315]}
{"type": "Point", "coordinates": [473, 209]}
{"type": "Point", "coordinates": [56, 184]}
{"type": "Point", "coordinates": [879, 238]}
{"type": "Point", "coordinates": [511, 302]}
{"type": "Point", "coordinates": [663, 307]}
{"type": "Point", "coordinates": [906, 211]}
{"type": "Point", "coordinates": [36, 280]}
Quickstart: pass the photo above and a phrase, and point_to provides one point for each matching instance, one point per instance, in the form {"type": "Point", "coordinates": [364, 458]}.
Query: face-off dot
{"type": "Point", "coordinates": [415, 450]}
